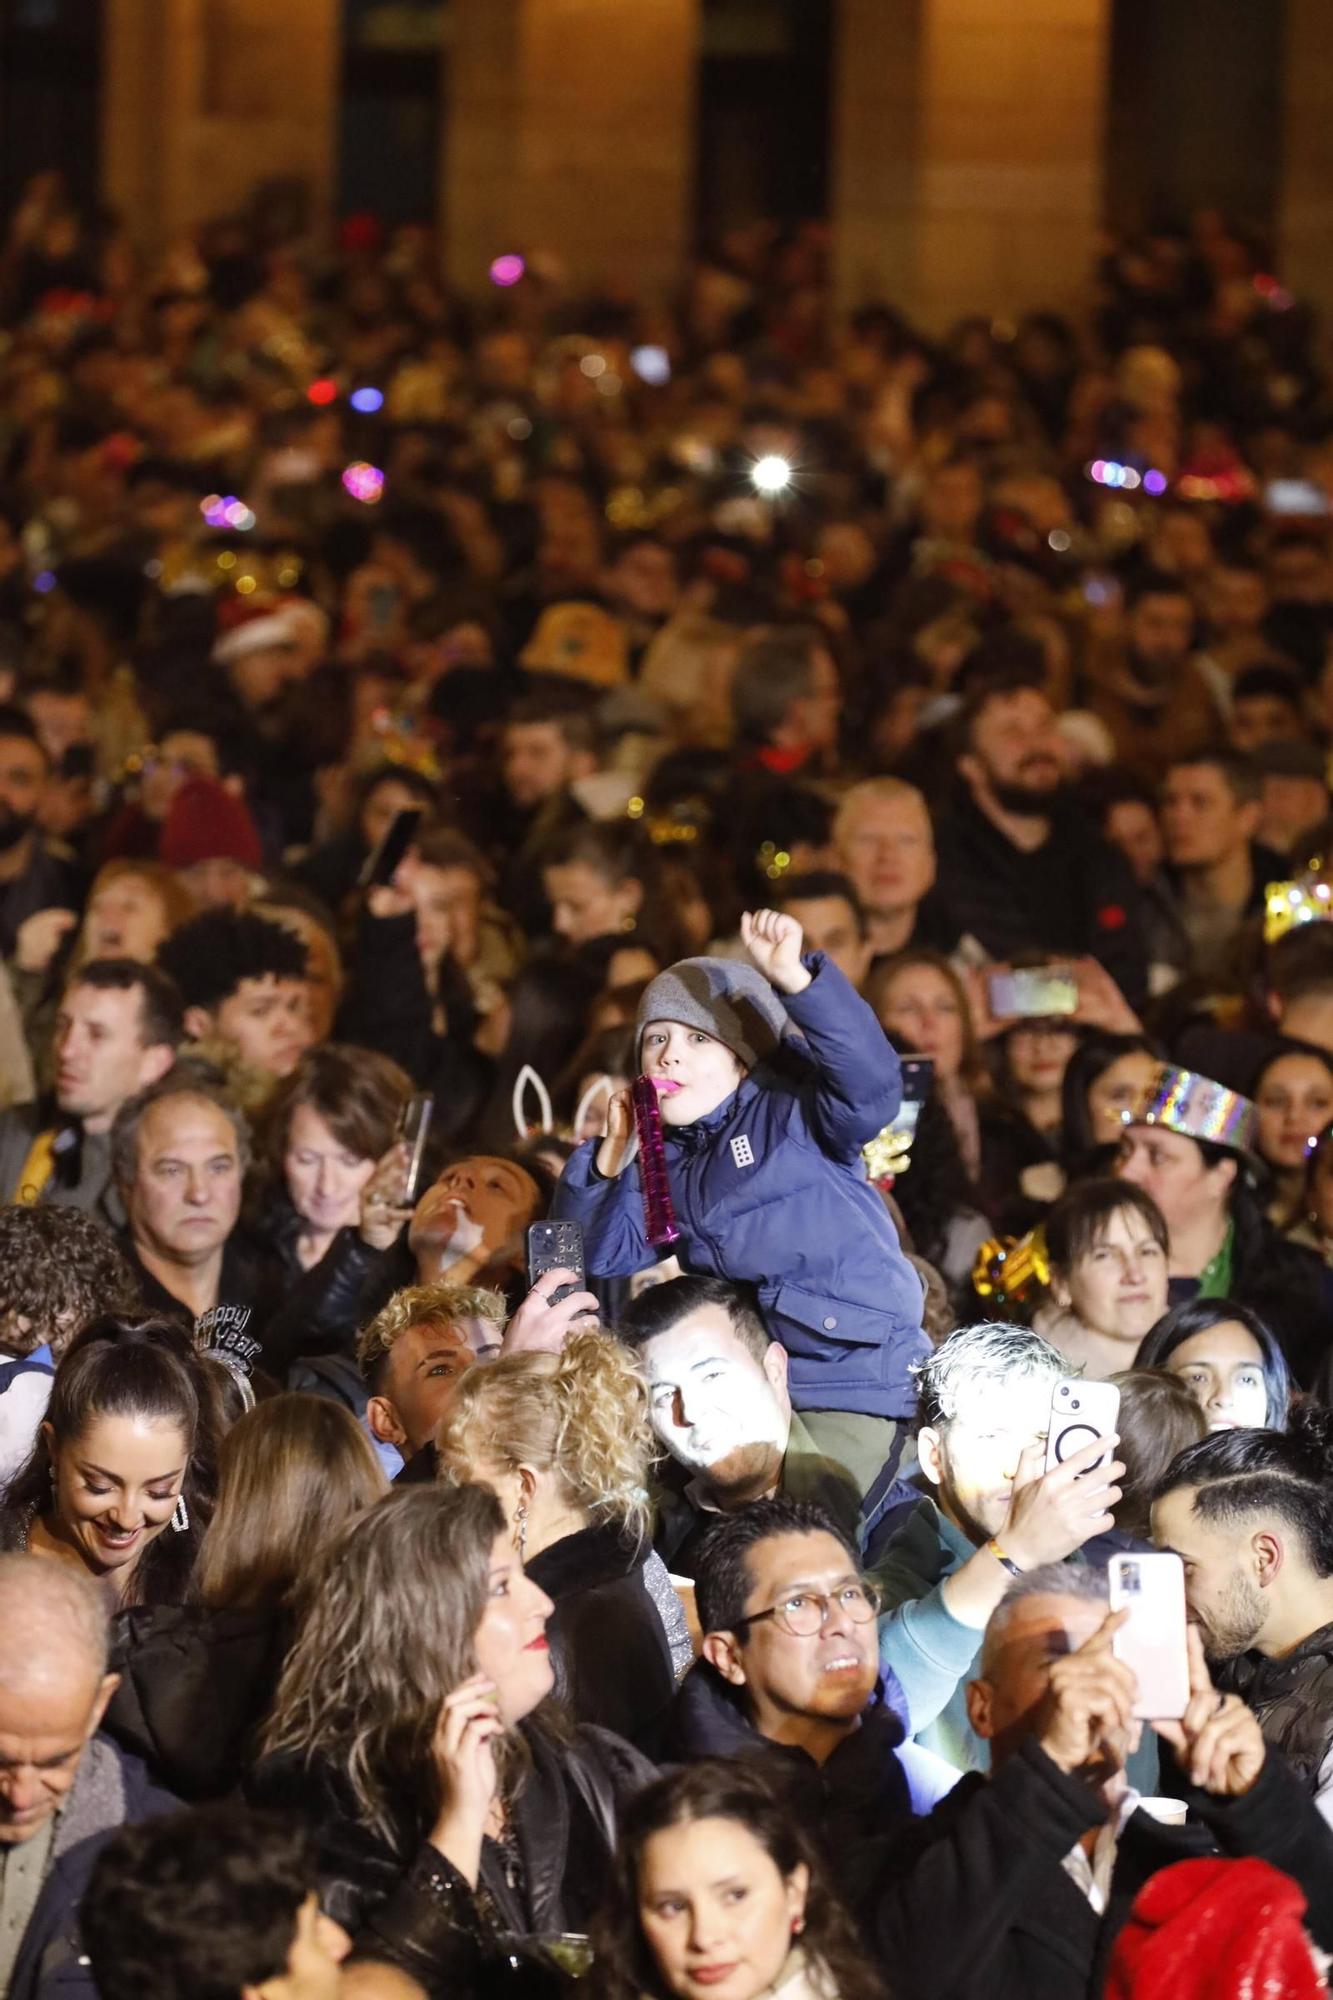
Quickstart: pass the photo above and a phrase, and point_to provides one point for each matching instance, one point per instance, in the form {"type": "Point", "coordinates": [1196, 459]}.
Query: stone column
{"type": "Point", "coordinates": [204, 99]}
{"type": "Point", "coordinates": [1304, 217]}
{"type": "Point", "coordinates": [569, 128]}
{"type": "Point", "coordinates": [967, 162]}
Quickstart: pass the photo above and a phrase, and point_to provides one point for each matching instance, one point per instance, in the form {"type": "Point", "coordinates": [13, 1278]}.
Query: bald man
{"type": "Point", "coordinates": [63, 1788]}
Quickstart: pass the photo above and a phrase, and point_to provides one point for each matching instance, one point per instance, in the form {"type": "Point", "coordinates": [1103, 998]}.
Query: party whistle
{"type": "Point", "coordinates": [658, 1214]}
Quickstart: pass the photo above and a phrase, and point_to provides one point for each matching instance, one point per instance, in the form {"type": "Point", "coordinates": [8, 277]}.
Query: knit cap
{"type": "Point", "coordinates": [727, 998]}
{"type": "Point", "coordinates": [206, 822]}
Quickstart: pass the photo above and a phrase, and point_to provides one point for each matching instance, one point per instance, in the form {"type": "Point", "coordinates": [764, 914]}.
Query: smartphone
{"type": "Point", "coordinates": [1099, 591]}
{"type": "Point", "coordinates": [557, 1246]}
{"type": "Point", "coordinates": [1298, 497]}
{"type": "Point", "coordinates": [77, 761]}
{"type": "Point", "coordinates": [1081, 1412]}
{"type": "Point", "coordinates": [918, 1076]}
{"type": "Point", "coordinates": [1032, 991]}
{"type": "Point", "coordinates": [1152, 1589]}
{"type": "Point", "coordinates": [382, 605]}
{"type": "Point", "coordinates": [381, 864]}
{"type": "Point", "coordinates": [413, 1126]}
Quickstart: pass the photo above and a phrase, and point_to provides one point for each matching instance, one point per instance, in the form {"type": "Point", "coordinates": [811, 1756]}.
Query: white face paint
{"type": "Point", "coordinates": [464, 1237]}
{"type": "Point", "coordinates": [709, 1399]}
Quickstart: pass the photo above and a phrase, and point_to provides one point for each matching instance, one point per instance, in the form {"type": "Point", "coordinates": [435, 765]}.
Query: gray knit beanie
{"type": "Point", "coordinates": [725, 997]}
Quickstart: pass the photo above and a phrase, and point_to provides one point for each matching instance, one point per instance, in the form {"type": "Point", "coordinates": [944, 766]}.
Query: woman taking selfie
{"type": "Point", "coordinates": [122, 1478]}
{"type": "Point", "coordinates": [717, 1889]}
{"type": "Point", "coordinates": [565, 1443]}
{"type": "Point", "coordinates": [406, 1731]}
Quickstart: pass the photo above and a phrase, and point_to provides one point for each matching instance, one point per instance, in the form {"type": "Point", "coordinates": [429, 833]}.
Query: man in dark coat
{"type": "Point", "coordinates": [66, 1788]}
{"type": "Point", "coordinates": [790, 1675]}
{"type": "Point", "coordinates": [1016, 1886]}
{"type": "Point", "coordinates": [1019, 868]}
{"type": "Point", "coordinates": [1248, 1511]}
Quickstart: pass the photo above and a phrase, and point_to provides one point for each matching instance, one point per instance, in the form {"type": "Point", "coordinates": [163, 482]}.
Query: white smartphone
{"type": "Point", "coordinates": [1080, 1412]}
{"type": "Point", "coordinates": [1152, 1589]}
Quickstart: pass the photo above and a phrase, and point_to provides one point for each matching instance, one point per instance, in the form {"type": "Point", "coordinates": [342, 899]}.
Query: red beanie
{"type": "Point", "coordinates": [1215, 1930]}
{"type": "Point", "coordinates": [206, 822]}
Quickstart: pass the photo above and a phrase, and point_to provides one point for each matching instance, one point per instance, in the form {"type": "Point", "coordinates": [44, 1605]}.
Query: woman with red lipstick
{"type": "Point", "coordinates": [407, 1730]}
{"type": "Point", "coordinates": [718, 1892]}
{"type": "Point", "coordinates": [122, 1479]}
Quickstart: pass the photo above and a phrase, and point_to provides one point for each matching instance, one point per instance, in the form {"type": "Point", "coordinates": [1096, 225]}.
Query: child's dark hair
{"type": "Point", "coordinates": [197, 1905]}
{"type": "Point", "coordinates": [210, 956]}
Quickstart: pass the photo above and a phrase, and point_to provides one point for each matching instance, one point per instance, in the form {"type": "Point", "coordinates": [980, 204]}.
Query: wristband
{"type": "Point", "coordinates": [1006, 1562]}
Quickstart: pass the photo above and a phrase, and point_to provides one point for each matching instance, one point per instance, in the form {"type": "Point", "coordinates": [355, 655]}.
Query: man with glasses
{"type": "Point", "coordinates": [790, 1673]}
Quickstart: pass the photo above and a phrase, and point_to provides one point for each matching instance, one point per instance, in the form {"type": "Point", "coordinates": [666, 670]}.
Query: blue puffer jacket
{"type": "Point", "coordinates": [770, 1189]}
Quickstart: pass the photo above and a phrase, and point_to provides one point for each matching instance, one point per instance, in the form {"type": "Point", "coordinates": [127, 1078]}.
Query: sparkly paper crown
{"type": "Point", "coordinates": [1308, 899]}
{"type": "Point", "coordinates": [1195, 1106]}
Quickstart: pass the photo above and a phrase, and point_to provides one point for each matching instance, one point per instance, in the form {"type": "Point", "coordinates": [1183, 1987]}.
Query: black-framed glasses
{"type": "Point", "coordinates": [805, 1612]}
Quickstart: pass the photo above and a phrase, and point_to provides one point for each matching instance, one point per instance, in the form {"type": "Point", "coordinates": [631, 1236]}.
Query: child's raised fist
{"type": "Point", "coordinates": [774, 941]}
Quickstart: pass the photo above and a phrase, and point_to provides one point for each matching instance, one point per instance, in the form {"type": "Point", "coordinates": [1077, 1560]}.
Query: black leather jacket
{"type": "Point", "coordinates": [564, 1814]}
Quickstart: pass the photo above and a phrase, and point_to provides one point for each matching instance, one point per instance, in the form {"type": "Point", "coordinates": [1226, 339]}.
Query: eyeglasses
{"type": "Point", "coordinates": [805, 1613]}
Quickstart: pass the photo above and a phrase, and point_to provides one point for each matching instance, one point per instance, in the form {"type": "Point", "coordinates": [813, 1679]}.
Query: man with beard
{"type": "Point", "coordinates": [790, 1676]}
{"type": "Point", "coordinates": [1251, 1515]}
{"type": "Point", "coordinates": [34, 875]}
{"type": "Point", "coordinates": [1147, 686]}
{"type": "Point", "coordinates": [1019, 867]}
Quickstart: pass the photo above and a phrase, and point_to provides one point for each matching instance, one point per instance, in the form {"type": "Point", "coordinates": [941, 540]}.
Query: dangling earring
{"type": "Point", "coordinates": [521, 1528]}
{"type": "Point", "coordinates": [180, 1519]}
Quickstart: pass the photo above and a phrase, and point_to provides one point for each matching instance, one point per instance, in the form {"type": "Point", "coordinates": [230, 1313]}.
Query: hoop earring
{"type": "Point", "coordinates": [180, 1519]}
{"type": "Point", "coordinates": [521, 1528]}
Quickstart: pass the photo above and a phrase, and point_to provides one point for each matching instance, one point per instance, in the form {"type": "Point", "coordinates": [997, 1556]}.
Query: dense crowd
{"type": "Point", "coordinates": [630, 937]}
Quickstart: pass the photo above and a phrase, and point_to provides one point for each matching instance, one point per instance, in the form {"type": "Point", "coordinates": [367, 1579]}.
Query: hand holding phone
{"type": "Point", "coordinates": [1031, 992]}
{"type": "Point", "coordinates": [556, 1246]}
{"type": "Point", "coordinates": [1151, 1642]}
{"type": "Point", "coordinates": [1051, 1514]}
{"type": "Point", "coordinates": [389, 852]}
{"type": "Point", "coordinates": [1218, 1742]}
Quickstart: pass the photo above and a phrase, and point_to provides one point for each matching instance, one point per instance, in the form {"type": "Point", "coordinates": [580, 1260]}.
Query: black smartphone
{"type": "Point", "coordinates": [381, 864]}
{"type": "Point", "coordinates": [413, 1126]}
{"type": "Point", "coordinates": [77, 761]}
{"type": "Point", "coordinates": [557, 1246]}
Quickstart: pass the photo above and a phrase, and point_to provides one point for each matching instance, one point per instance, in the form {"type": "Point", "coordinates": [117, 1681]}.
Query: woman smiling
{"type": "Point", "coordinates": [122, 1479]}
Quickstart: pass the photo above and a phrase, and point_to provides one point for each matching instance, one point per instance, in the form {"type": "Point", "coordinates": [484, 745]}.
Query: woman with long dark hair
{"type": "Point", "coordinates": [713, 1871]}
{"type": "Point", "coordinates": [122, 1479]}
{"type": "Point", "coordinates": [1228, 1357]}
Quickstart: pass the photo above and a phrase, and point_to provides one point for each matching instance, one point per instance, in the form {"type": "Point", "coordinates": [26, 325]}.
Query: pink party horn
{"type": "Point", "coordinates": [658, 1214]}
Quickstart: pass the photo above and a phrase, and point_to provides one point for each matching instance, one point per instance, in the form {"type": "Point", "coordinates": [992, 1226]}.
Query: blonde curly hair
{"type": "Point", "coordinates": [581, 1415]}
